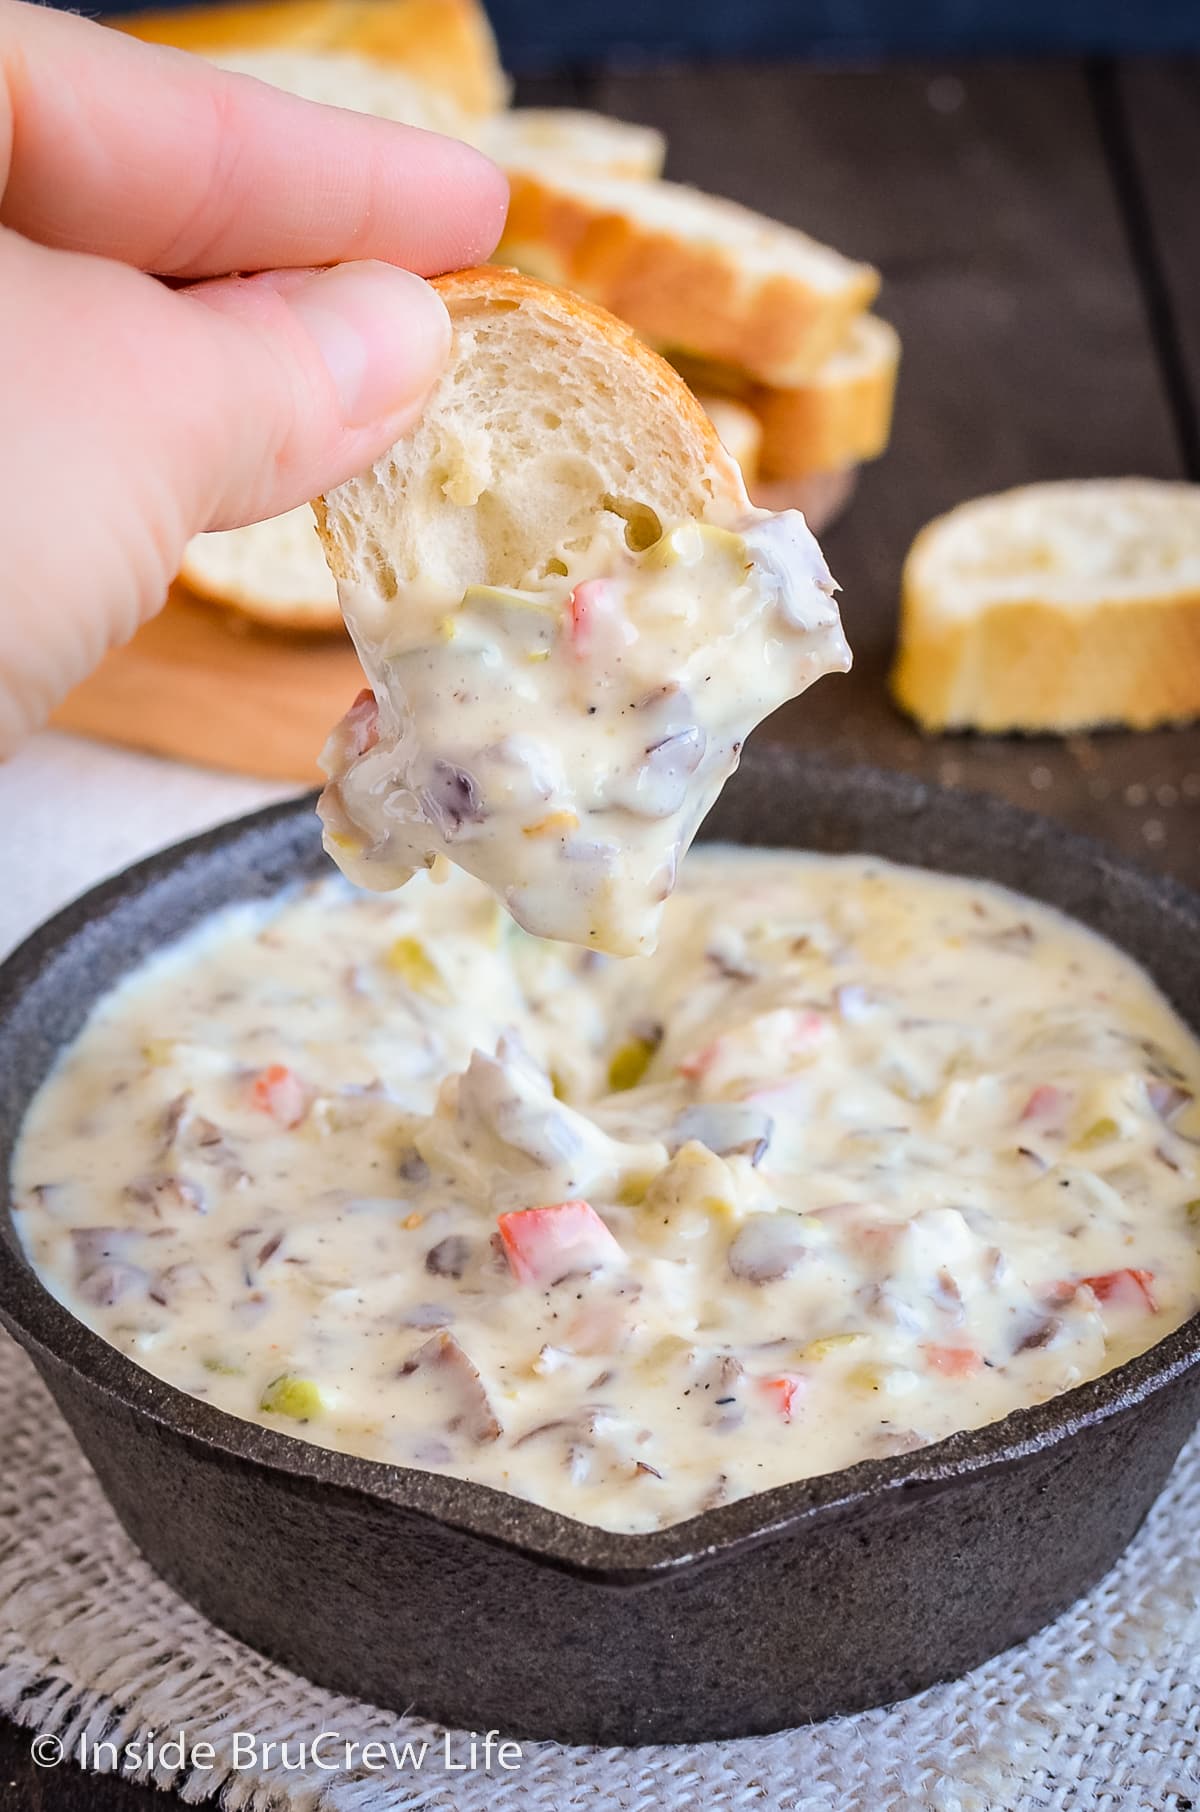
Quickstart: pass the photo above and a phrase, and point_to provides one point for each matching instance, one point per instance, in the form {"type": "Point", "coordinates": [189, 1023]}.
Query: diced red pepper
{"type": "Point", "coordinates": [953, 1361]}
{"type": "Point", "coordinates": [589, 601]}
{"type": "Point", "coordinates": [783, 1392]}
{"type": "Point", "coordinates": [878, 1240]}
{"type": "Point", "coordinates": [809, 1029]}
{"type": "Point", "coordinates": [1045, 1101]}
{"type": "Point", "coordinates": [544, 1245]}
{"type": "Point", "coordinates": [1128, 1288]}
{"type": "Point", "coordinates": [693, 1067]}
{"type": "Point", "coordinates": [805, 1030]}
{"type": "Point", "coordinates": [279, 1092]}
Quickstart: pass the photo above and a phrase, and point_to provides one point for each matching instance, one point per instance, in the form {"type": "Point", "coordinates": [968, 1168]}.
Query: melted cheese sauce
{"type": "Point", "coordinates": [860, 1157]}
{"type": "Point", "coordinates": [563, 740]}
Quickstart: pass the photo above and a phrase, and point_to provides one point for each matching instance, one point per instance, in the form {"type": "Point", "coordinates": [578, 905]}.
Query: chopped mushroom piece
{"type": "Point", "coordinates": [768, 1247]}
{"type": "Point", "coordinates": [472, 1414]}
{"type": "Point", "coordinates": [727, 1127]}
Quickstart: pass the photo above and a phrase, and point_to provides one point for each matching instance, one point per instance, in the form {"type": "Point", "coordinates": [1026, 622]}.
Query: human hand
{"type": "Point", "coordinates": [134, 413]}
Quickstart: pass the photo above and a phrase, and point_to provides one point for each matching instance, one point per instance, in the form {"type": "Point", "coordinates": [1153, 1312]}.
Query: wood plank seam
{"type": "Point", "coordinates": [1116, 139]}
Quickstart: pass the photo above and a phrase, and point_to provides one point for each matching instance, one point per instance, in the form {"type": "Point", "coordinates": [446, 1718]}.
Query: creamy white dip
{"type": "Point", "coordinates": [563, 739]}
{"type": "Point", "coordinates": [860, 1157]}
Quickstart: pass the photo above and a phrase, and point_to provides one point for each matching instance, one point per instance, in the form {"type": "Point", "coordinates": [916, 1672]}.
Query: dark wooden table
{"type": "Point", "coordinates": [1036, 227]}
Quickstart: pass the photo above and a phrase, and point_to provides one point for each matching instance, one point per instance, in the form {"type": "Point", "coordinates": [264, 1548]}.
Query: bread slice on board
{"type": "Point", "coordinates": [446, 43]}
{"type": "Point", "coordinates": [840, 417]}
{"type": "Point", "coordinates": [550, 137]}
{"type": "Point", "coordinates": [341, 79]}
{"type": "Point", "coordinates": [274, 572]}
{"type": "Point", "coordinates": [687, 270]}
{"type": "Point", "coordinates": [1055, 607]}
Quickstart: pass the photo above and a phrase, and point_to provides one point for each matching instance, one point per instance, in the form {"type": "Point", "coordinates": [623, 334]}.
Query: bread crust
{"type": "Point", "coordinates": [447, 43]}
{"type": "Point", "coordinates": [494, 285]}
{"type": "Point", "coordinates": [1033, 663]}
{"type": "Point", "coordinates": [842, 418]}
{"type": "Point", "coordinates": [680, 293]}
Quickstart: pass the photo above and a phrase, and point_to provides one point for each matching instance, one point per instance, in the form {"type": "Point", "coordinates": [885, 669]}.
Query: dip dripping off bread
{"type": "Point", "coordinates": [571, 618]}
{"type": "Point", "coordinates": [1055, 607]}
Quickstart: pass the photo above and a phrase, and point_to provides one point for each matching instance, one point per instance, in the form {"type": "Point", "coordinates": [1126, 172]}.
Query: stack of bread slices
{"type": "Point", "coordinates": [768, 326]}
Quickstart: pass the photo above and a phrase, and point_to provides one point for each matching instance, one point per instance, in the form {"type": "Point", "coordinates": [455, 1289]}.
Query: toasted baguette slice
{"type": "Point", "coordinates": [338, 79]}
{"type": "Point", "coordinates": [546, 138]}
{"type": "Point", "coordinates": [689, 270]}
{"type": "Point", "coordinates": [738, 428]}
{"type": "Point", "coordinates": [448, 44]}
{"type": "Point", "coordinates": [569, 616]}
{"type": "Point", "coordinates": [840, 417]}
{"type": "Point", "coordinates": [272, 571]}
{"type": "Point", "coordinates": [1055, 607]}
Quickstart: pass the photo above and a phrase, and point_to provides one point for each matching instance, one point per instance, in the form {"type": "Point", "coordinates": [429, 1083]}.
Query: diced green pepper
{"type": "Point", "coordinates": [297, 1398]}
{"type": "Point", "coordinates": [410, 960]}
{"type": "Point", "coordinates": [629, 1063]}
{"type": "Point", "coordinates": [1100, 1132]}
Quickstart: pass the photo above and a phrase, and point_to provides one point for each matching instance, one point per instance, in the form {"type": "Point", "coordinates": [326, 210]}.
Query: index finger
{"type": "Point", "coordinates": [153, 157]}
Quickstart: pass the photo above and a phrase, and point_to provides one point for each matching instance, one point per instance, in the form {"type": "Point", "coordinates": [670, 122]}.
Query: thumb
{"type": "Point", "coordinates": [298, 380]}
{"type": "Point", "coordinates": [143, 414]}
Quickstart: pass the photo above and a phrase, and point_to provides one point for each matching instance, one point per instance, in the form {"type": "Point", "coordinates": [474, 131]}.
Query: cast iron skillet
{"type": "Point", "coordinates": [407, 1588]}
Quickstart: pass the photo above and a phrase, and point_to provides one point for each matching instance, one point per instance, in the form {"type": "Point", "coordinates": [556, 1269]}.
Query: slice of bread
{"type": "Point", "coordinates": [547, 138]}
{"type": "Point", "coordinates": [738, 428]}
{"type": "Point", "coordinates": [570, 618]}
{"type": "Point", "coordinates": [1055, 607]}
{"type": "Point", "coordinates": [273, 571]}
{"type": "Point", "coordinates": [840, 417]}
{"type": "Point", "coordinates": [447, 43]}
{"type": "Point", "coordinates": [689, 270]}
{"type": "Point", "coordinates": [340, 79]}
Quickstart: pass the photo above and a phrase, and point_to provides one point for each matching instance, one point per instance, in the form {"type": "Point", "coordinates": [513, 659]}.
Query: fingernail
{"type": "Point", "coordinates": [384, 336]}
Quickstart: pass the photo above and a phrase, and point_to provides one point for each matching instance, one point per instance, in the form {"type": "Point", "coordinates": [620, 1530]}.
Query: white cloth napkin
{"type": "Point", "coordinates": [1099, 1713]}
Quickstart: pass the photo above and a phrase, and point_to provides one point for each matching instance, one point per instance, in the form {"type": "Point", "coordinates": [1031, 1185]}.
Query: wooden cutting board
{"type": "Point", "coordinates": [204, 685]}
